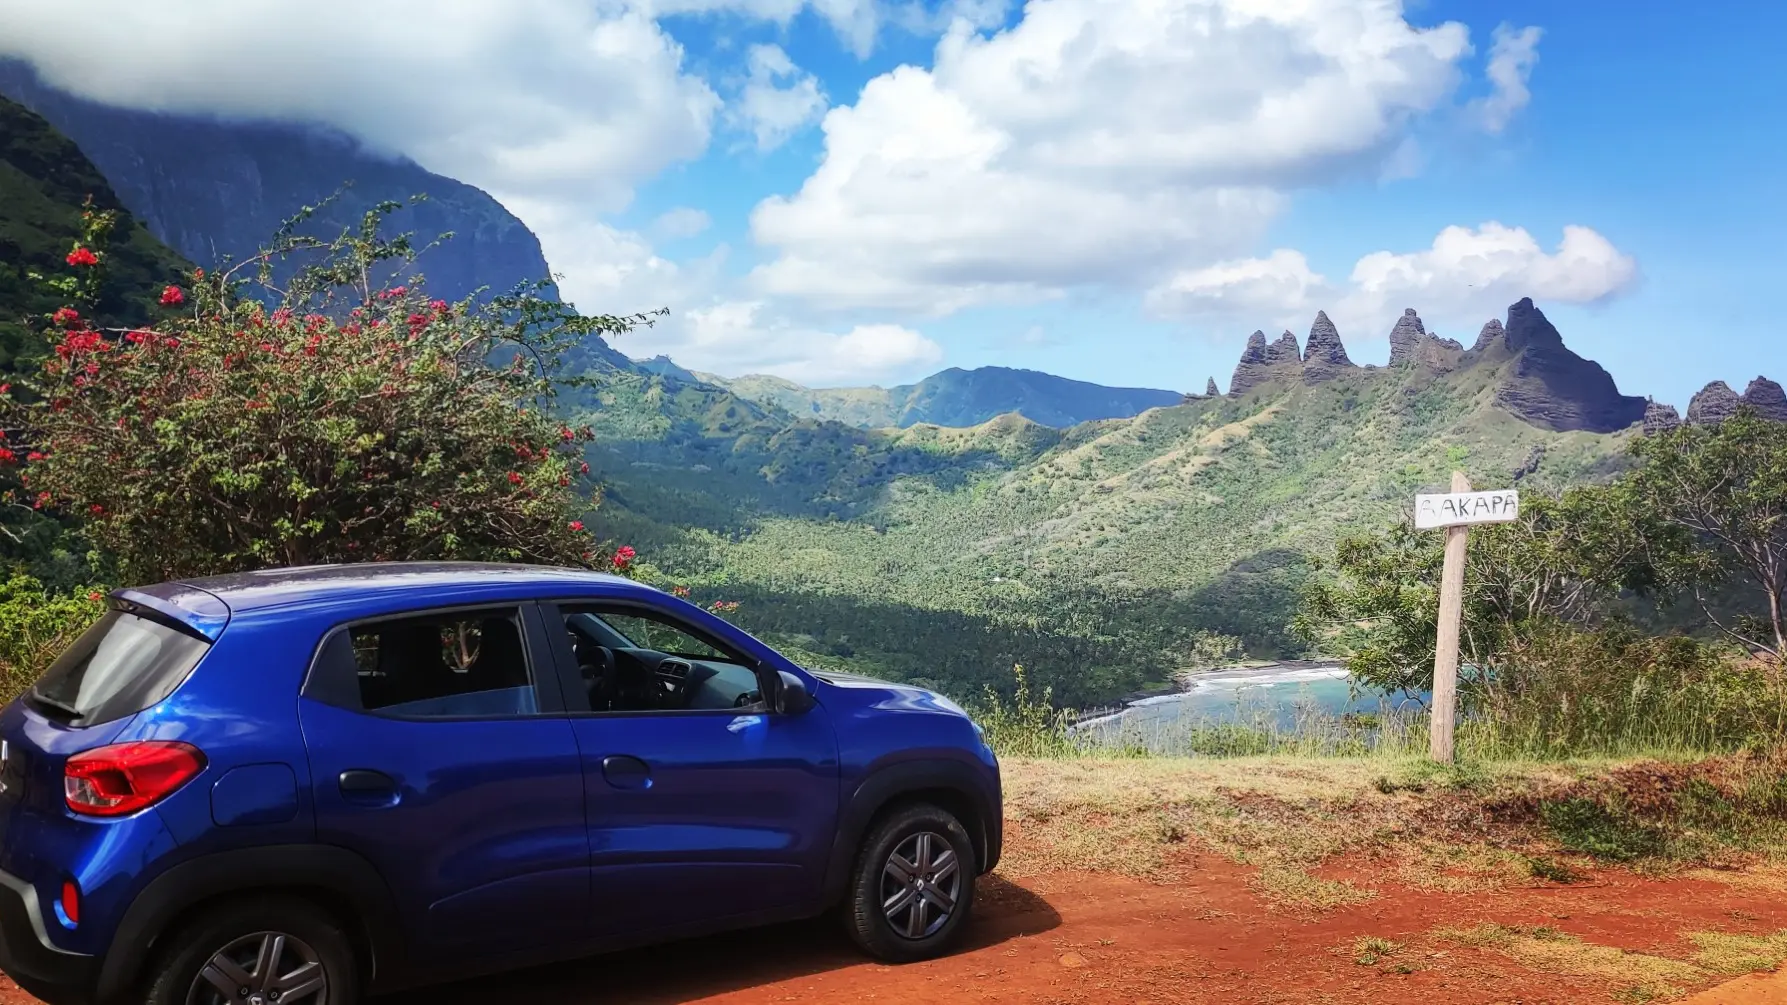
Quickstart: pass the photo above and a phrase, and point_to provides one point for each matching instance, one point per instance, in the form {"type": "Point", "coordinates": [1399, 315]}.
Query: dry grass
{"type": "Point", "coordinates": [1641, 977]}
{"type": "Point", "coordinates": [1288, 886]}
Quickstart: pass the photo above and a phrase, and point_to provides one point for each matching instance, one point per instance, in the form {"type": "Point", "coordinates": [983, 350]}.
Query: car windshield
{"type": "Point", "coordinates": [121, 665]}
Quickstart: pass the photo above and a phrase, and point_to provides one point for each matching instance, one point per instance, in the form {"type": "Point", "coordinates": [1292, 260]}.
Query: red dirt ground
{"type": "Point", "coordinates": [1205, 937]}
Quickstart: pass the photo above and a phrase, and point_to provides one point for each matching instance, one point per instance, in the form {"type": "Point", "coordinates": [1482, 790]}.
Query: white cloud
{"type": "Point", "coordinates": [1481, 271]}
{"type": "Point", "coordinates": [1097, 142]}
{"type": "Point", "coordinates": [1244, 287]}
{"type": "Point", "coordinates": [679, 223]}
{"type": "Point", "coordinates": [738, 337]}
{"type": "Point", "coordinates": [551, 99]}
{"type": "Point", "coordinates": [1466, 276]}
{"type": "Point", "coordinates": [779, 99]}
{"type": "Point", "coordinates": [1512, 55]}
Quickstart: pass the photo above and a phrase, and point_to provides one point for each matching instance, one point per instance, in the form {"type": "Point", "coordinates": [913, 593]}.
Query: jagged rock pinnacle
{"type": "Point", "coordinates": [1552, 387]}
{"type": "Point", "coordinates": [1261, 362]}
{"type": "Point", "coordinates": [1767, 398]}
{"type": "Point", "coordinates": [1713, 404]}
{"type": "Point", "coordinates": [1659, 418]}
{"type": "Point", "coordinates": [1210, 389]}
{"type": "Point", "coordinates": [1492, 331]}
{"type": "Point", "coordinates": [1324, 356]}
{"type": "Point", "coordinates": [1406, 336]}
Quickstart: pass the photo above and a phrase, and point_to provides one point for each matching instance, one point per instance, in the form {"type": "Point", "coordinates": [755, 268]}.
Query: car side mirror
{"type": "Point", "coordinates": [792, 696]}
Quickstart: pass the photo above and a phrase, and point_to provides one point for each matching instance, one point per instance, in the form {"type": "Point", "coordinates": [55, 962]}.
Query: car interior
{"type": "Point", "coordinates": [444, 667]}
{"type": "Point", "coordinates": [634, 663]}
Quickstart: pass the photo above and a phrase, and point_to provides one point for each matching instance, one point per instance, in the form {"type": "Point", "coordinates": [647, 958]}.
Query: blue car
{"type": "Point", "coordinates": [306, 785]}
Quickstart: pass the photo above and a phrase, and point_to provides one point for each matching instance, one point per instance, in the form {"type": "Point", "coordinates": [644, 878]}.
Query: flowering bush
{"type": "Point", "coordinates": [39, 624]}
{"type": "Point", "coordinates": [318, 419]}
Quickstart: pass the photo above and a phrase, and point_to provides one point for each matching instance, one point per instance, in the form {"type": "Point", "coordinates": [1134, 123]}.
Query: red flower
{"type": "Point", "coordinates": [35, 456]}
{"type": "Point", "coordinates": [172, 297]}
{"type": "Point", "coordinates": [97, 509]}
{"type": "Point", "coordinates": [5, 388]}
{"type": "Point", "coordinates": [7, 456]}
{"type": "Point", "coordinates": [566, 434]}
{"type": "Point", "coordinates": [576, 524]}
{"type": "Point", "coordinates": [583, 468]}
{"type": "Point", "coordinates": [679, 591]}
{"type": "Point", "coordinates": [82, 256]}
{"type": "Point", "coordinates": [438, 306]}
{"type": "Point", "coordinates": [95, 595]}
{"type": "Point", "coordinates": [65, 316]}
{"type": "Point", "coordinates": [623, 556]}
{"type": "Point", "coordinates": [514, 478]}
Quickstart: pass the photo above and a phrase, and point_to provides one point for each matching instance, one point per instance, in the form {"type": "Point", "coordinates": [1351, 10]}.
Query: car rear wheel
{"type": "Point", "coordinates": [913, 887]}
{"type": "Point", "coordinates": [277, 952]}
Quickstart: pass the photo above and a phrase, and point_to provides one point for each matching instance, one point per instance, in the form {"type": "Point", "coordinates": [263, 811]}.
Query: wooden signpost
{"type": "Point", "coordinates": [1455, 511]}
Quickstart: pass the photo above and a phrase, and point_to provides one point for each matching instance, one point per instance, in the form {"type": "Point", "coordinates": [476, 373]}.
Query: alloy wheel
{"type": "Point", "coordinates": [920, 885]}
{"type": "Point", "coordinates": [266, 968]}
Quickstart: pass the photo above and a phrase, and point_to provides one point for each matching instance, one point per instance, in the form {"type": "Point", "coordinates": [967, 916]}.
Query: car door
{"type": "Point", "coordinates": [441, 753]}
{"type": "Point", "coordinates": [697, 817]}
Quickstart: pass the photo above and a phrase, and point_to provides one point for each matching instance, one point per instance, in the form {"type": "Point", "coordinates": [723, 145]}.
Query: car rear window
{"type": "Point", "coordinates": [120, 666]}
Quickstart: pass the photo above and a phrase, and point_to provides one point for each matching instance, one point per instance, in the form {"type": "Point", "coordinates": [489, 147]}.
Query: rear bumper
{"type": "Point", "coordinates": [57, 976]}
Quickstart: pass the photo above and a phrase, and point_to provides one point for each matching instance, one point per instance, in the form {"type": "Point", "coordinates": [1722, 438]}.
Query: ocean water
{"type": "Point", "coordinates": [1281, 698]}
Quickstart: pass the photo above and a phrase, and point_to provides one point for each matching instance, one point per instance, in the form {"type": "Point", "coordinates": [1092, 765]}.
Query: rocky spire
{"type": "Point", "coordinates": [1767, 398]}
{"type": "Point", "coordinates": [1324, 357]}
{"type": "Point", "coordinates": [1492, 331]}
{"type": "Point", "coordinates": [1405, 337]}
{"type": "Point", "coordinates": [1284, 350]}
{"type": "Point", "coordinates": [1659, 418]}
{"type": "Point", "coordinates": [1210, 390]}
{"type": "Point", "coordinates": [1713, 404]}
{"type": "Point", "coordinates": [1552, 387]}
{"type": "Point", "coordinates": [1251, 371]}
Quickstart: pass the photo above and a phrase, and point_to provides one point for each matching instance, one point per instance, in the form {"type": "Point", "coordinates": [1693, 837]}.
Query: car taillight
{"type": "Point", "coordinates": [71, 902]}
{"type": "Point", "coordinates": [125, 777]}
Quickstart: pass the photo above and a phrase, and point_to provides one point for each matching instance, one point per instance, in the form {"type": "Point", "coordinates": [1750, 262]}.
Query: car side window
{"type": "Point", "coordinates": [635, 660]}
{"type": "Point", "coordinates": [464, 663]}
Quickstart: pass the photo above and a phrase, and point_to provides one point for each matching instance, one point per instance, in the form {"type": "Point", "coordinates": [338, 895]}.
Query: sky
{"type": "Point", "coordinates": [846, 192]}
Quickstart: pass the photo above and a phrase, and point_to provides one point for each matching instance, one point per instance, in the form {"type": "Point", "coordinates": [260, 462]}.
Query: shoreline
{"type": "Point", "coordinates": [1188, 682]}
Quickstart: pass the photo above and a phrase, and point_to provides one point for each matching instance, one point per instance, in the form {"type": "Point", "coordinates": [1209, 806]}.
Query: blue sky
{"type": "Point", "coordinates": [854, 191]}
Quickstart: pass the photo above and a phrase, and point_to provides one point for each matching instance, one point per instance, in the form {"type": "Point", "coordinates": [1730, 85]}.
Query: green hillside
{"type": "Point", "coordinates": [953, 397]}
{"type": "Point", "coordinates": [44, 180]}
{"type": "Point", "coordinates": [1091, 553]}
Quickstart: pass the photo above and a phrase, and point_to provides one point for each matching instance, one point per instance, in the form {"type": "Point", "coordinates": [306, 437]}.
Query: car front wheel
{"type": "Point", "coordinates": [913, 887]}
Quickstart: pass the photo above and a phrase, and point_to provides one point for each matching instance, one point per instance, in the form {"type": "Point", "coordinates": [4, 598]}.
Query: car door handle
{"type": "Point", "coordinates": [362, 785]}
{"type": "Point", "coordinates": [625, 772]}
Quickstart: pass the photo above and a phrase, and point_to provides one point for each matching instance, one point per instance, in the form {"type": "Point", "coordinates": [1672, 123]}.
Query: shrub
{"type": "Point", "coordinates": [35, 626]}
{"type": "Point", "coordinates": [320, 419]}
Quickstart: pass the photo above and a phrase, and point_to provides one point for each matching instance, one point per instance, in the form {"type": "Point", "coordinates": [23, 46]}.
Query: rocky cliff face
{"type": "Point", "coordinates": [211, 188]}
{"type": "Point", "coordinates": [1491, 334]}
{"type": "Point", "coordinates": [1659, 418]}
{"type": "Point", "coordinates": [1767, 398]}
{"type": "Point", "coordinates": [1324, 357]}
{"type": "Point", "coordinates": [1713, 404]}
{"type": "Point", "coordinates": [1551, 387]}
{"type": "Point", "coordinates": [1408, 333]}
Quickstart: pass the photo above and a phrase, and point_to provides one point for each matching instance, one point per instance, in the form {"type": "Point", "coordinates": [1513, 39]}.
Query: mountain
{"type": "Point", "coordinates": [1087, 553]}
{"type": "Point", "coordinates": [44, 180]}
{"type": "Point", "coordinates": [954, 397]}
{"type": "Point", "coordinates": [212, 188]}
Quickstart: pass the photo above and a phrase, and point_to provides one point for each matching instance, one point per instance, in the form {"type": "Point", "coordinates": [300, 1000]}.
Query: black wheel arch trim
{"type": "Point", "coordinates": [343, 875]}
{"type": "Point", "coordinates": [885, 786]}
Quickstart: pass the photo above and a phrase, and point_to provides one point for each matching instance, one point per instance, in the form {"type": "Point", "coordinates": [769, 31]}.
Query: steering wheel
{"type": "Point", "coordinates": [600, 675]}
{"type": "Point", "coordinates": [748, 698]}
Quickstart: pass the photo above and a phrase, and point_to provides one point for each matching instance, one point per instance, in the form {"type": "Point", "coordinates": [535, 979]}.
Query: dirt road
{"type": "Point", "coordinates": [1208, 937]}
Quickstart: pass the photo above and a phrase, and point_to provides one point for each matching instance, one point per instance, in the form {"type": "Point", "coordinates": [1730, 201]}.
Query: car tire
{"type": "Point", "coordinates": [913, 886]}
{"type": "Point", "coordinates": [229, 944]}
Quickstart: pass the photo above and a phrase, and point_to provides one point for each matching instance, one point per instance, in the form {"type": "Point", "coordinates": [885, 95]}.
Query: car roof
{"type": "Point", "coordinates": [205, 603]}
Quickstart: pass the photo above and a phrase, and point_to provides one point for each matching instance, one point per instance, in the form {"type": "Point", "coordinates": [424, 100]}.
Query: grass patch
{"type": "Point", "coordinates": [1371, 951]}
{"type": "Point", "coordinates": [1730, 954]}
{"type": "Point", "coordinates": [1585, 826]}
{"type": "Point", "coordinates": [1293, 887]}
{"type": "Point", "coordinates": [1550, 869]}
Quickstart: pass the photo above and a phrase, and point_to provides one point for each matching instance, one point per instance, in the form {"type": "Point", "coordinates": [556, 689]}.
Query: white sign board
{"type": "Point", "coordinates": [1455, 509]}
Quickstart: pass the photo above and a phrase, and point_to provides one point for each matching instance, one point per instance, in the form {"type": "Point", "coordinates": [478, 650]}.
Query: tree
{"type": "Point", "coordinates": [1563, 561]}
{"type": "Point", "coordinates": [322, 418]}
{"type": "Point", "coordinates": [1725, 487]}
